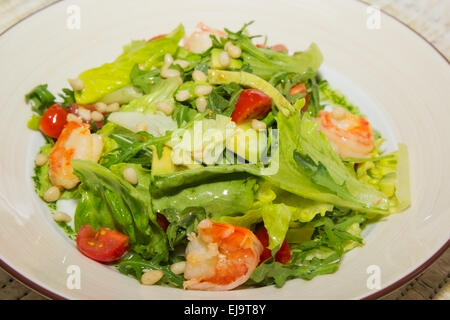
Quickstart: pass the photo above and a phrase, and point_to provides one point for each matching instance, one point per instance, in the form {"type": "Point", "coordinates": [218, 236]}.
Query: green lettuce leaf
{"type": "Point", "coordinates": [108, 200]}
{"type": "Point", "coordinates": [162, 91]}
{"type": "Point", "coordinates": [112, 76]}
{"type": "Point", "coordinates": [219, 198]}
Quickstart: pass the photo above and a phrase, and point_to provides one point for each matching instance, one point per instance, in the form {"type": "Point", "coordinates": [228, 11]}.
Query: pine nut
{"type": "Point", "coordinates": [182, 95]}
{"type": "Point", "coordinates": [168, 60]}
{"type": "Point", "coordinates": [76, 84]}
{"type": "Point", "coordinates": [101, 107]}
{"type": "Point", "coordinates": [164, 107]}
{"type": "Point", "coordinates": [234, 51]}
{"type": "Point", "coordinates": [169, 73]}
{"type": "Point", "coordinates": [96, 116]}
{"type": "Point", "coordinates": [85, 114]}
{"type": "Point", "coordinates": [71, 117]}
{"type": "Point", "coordinates": [141, 126]}
{"type": "Point", "coordinates": [41, 159]}
{"type": "Point", "coordinates": [258, 125]}
{"type": "Point", "coordinates": [182, 63]}
{"type": "Point", "coordinates": [224, 59]}
{"type": "Point", "coordinates": [178, 268]}
{"type": "Point", "coordinates": [201, 104]}
{"type": "Point", "coordinates": [52, 194]}
{"type": "Point", "coordinates": [59, 216]}
{"type": "Point", "coordinates": [113, 107]}
{"type": "Point", "coordinates": [130, 175]}
{"type": "Point", "coordinates": [151, 277]}
{"type": "Point", "coordinates": [227, 45]}
{"type": "Point", "coordinates": [202, 90]}
{"type": "Point", "coordinates": [199, 76]}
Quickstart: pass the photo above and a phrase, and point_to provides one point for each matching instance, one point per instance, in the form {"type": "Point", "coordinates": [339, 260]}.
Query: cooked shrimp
{"type": "Point", "coordinates": [350, 135]}
{"type": "Point", "coordinates": [199, 41]}
{"type": "Point", "coordinates": [75, 142]}
{"type": "Point", "coordinates": [221, 257]}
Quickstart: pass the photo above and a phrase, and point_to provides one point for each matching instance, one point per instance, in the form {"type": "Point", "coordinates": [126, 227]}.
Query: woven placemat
{"type": "Point", "coordinates": [431, 18]}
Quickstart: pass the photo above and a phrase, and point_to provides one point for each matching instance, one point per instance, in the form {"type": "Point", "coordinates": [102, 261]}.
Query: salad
{"type": "Point", "coordinates": [213, 161]}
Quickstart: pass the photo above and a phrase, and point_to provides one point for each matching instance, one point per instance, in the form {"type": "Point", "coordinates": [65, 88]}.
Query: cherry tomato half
{"type": "Point", "coordinates": [105, 245]}
{"type": "Point", "coordinates": [300, 88]}
{"type": "Point", "coordinates": [53, 120]}
{"type": "Point", "coordinates": [283, 255]}
{"type": "Point", "coordinates": [251, 104]}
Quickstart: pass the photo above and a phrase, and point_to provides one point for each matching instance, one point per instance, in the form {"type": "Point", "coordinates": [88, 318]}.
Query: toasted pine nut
{"type": "Point", "coordinates": [76, 84]}
{"type": "Point", "coordinates": [141, 126]}
{"type": "Point", "coordinates": [52, 194]}
{"type": "Point", "coordinates": [178, 268]}
{"type": "Point", "coordinates": [203, 90]}
{"type": "Point", "coordinates": [169, 73]}
{"type": "Point", "coordinates": [224, 59]}
{"type": "Point", "coordinates": [130, 175]}
{"type": "Point", "coordinates": [151, 277]}
{"type": "Point", "coordinates": [198, 75]}
{"type": "Point", "coordinates": [85, 114]}
{"type": "Point", "coordinates": [59, 216]}
{"type": "Point", "coordinates": [113, 107]}
{"type": "Point", "coordinates": [164, 107]}
{"type": "Point", "coordinates": [182, 95]}
{"type": "Point", "coordinates": [258, 125]}
{"type": "Point", "coordinates": [41, 159]}
{"type": "Point", "coordinates": [201, 104]}
{"type": "Point", "coordinates": [96, 116]}
{"type": "Point", "coordinates": [182, 63]}
{"type": "Point", "coordinates": [101, 107]}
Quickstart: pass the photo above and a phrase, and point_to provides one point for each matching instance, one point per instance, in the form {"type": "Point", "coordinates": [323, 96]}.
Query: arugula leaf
{"type": "Point", "coordinates": [223, 98]}
{"type": "Point", "coordinates": [67, 96]}
{"type": "Point", "coordinates": [183, 114]}
{"type": "Point", "coordinates": [40, 99]}
{"type": "Point", "coordinates": [134, 265]}
{"type": "Point", "coordinates": [182, 223]}
{"type": "Point", "coordinates": [144, 79]}
{"type": "Point", "coordinates": [133, 148]}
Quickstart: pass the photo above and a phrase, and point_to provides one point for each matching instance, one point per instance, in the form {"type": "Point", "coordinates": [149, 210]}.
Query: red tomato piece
{"type": "Point", "coordinates": [279, 47]}
{"type": "Point", "coordinates": [283, 255]}
{"type": "Point", "coordinates": [105, 245]}
{"type": "Point", "coordinates": [162, 221]}
{"type": "Point", "coordinates": [251, 104]}
{"type": "Point", "coordinates": [157, 37]}
{"type": "Point", "coordinates": [53, 120]}
{"type": "Point", "coordinates": [300, 88]}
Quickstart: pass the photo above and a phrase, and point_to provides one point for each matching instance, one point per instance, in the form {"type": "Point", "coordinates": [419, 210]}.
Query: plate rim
{"type": "Point", "coordinates": [376, 295]}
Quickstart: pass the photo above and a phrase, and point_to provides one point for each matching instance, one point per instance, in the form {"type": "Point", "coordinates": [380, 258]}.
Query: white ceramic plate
{"type": "Point", "coordinates": [396, 77]}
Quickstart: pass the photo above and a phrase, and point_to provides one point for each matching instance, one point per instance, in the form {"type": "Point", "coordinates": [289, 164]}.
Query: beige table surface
{"type": "Point", "coordinates": [430, 18]}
